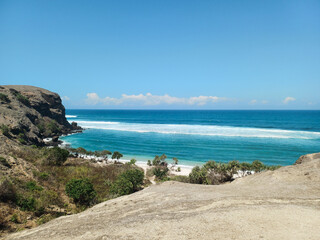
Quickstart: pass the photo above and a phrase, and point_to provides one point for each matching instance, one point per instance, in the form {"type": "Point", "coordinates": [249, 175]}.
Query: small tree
{"type": "Point", "coordinates": [132, 161]}
{"type": "Point", "coordinates": [175, 161]}
{"type": "Point", "coordinates": [198, 175]}
{"type": "Point", "coordinates": [57, 156]}
{"type": "Point", "coordinates": [127, 182]}
{"type": "Point", "coordinates": [122, 186]}
{"type": "Point", "coordinates": [161, 172]}
{"type": "Point", "coordinates": [5, 130]}
{"type": "Point", "coordinates": [81, 191]}
{"type": "Point", "coordinates": [258, 166]}
{"type": "Point", "coordinates": [160, 161]}
{"type": "Point", "coordinates": [4, 98]}
{"type": "Point", "coordinates": [135, 176]}
{"type": "Point", "coordinates": [116, 155]}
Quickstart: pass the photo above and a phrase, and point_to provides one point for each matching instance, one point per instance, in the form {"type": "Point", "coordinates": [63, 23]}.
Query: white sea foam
{"type": "Point", "coordinates": [206, 130]}
{"type": "Point", "coordinates": [71, 116]}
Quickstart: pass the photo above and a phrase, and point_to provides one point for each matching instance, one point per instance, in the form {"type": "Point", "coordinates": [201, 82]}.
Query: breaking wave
{"type": "Point", "coordinates": [205, 130]}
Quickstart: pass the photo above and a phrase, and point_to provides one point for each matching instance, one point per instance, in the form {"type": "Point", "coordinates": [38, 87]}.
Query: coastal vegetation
{"type": "Point", "coordinates": [57, 183]}
{"type": "Point", "coordinates": [4, 98]}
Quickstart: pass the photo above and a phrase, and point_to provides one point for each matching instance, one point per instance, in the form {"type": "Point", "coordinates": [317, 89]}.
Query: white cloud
{"type": "Point", "coordinates": [149, 100]}
{"type": "Point", "coordinates": [264, 101]}
{"type": "Point", "coordinates": [65, 98]}
{"type": "Point", "coordinates": [253, 101]}
{"type": "Point", "coordinates": [288, 99]}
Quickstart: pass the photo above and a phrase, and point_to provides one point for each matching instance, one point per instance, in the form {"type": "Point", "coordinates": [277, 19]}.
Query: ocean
{"type": "Point", "coordinates": [196, 136]}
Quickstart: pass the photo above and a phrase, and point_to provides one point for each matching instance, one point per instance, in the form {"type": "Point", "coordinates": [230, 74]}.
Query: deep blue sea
{"type": "Point", "coordinates": [194, 137]}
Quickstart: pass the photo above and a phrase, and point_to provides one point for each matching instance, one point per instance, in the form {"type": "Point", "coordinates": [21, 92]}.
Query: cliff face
{"type": "Point", "coordinates": [28, 114]}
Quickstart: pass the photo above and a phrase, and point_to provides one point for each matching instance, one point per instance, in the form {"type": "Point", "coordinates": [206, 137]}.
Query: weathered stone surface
{"type": "Point", "coordinates": [32, 113]}
{"type": "Point", "coordinates": [280, 204]}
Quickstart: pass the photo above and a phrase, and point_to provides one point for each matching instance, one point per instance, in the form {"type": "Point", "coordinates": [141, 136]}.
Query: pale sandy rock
{"type": "Point", "coordinates": [283, 204]}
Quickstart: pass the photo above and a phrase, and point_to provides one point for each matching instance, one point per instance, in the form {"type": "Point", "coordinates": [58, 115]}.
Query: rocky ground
{"type": "Point", "coordinates": [280, 204]}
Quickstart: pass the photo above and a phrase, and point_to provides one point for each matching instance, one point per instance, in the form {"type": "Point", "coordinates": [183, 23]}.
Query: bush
{"type": "Point", "coordinates": [160, 161]}
{"type": "Point", "coordinates": [43, 176]}
{"type": "Point", "coordinates": [135, 176]}
{"type": "Point", "coordinates": [4, 97]}
{"type": "Point", "coordinates": [26, 203]}
{"type": "Point", "coordinates": [116, 155]}
{"type": "Point", "coordinates": [81, 191]}
{"type": "Point", "coordinates": [32, 186]}
{"type": "Point", "coordinates": [257, 166]}
{"type": "Point", "coordinates": [23, 99]}
{"type": "Point", "coordinates": [127, 182]}
{"type": "Point", "coordinates": [53, 127]}
{"type": "Point", "coordinates": [7, 191]}
{"type": "Point", "coordinates": [14, 218]}
{"type": "Point", "coordinates": [180, 178]}
{"type": "Point", "coordinates": [161, 172]}
{"type": "Point", "coordinates": [56, 156]}
{"type": "Point", "coordinates": [122, 186]}
{"type": "Point", "coordinates": [132, 161]}
{"type": "Point", "coordinates": [5, 130]}
{"type": "Point", "coordinates": [4, 162]}
{"type": "Point", "coordinates": [198, 175]}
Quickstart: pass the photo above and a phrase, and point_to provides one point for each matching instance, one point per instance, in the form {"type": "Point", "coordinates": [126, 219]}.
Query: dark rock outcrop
{"type": "Point", "coordinates": [28, 114]}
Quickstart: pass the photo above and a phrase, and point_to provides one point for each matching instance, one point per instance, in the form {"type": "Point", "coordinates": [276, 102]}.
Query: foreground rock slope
{"type": "Point", "coordinates": [281, 204]}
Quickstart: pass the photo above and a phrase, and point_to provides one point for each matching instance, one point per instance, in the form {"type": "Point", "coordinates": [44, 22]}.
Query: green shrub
{"type": "Point", "coordinates": [44, 176]}
{"type": "Point", "coordinates": [132, 161]}
{"type": "Point", "coordinates": [122, 186]}
{"type": "Point", "coordinates": [161, 172]}
{"type": "Point", "coordinates": [7, 191]}
{"type": "Point", "coordinates": [116, 155]}
{"type": "Point", "coordinates": [257, 166]}
{"type": "Point", "coordinates": [4, 162]}
{"type": "Point", "coordinates": [4, 97]}
{"type": "Point", "coordinates": [198, 175]}
{"type": "Point", "coordinates": [26, 203]}
{"type": "Point", "coordinates": [5, 130]}
{"type": "Point", "coordinates": [32, 186]}
{"type": "Point", "coordinates": [81, 191]}
{"type": "Point", "coordinates": [56, 156]}
{"type": "Point", "coordinates": [23, 99]}
{"type": "Point", "coordinates": [160, 161]}
{"type": "Point", "coordinates": [135, 176]}
{"type": "Point", "coordinates": [14, 218]}
{"type": "Point", "coordinates": [180, 178]}
{"type": "Point", "coordinates": [127, 182]}
{"type": "Point", "coordinates": [53, 127]}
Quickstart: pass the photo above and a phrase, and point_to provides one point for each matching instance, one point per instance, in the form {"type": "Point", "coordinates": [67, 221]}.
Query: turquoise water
{"type": "Point", "coordinates": [194, 137]}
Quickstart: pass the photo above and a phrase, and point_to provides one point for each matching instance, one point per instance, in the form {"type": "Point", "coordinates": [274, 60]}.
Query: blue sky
{"type": "Point", "coordinates": [165, 54]}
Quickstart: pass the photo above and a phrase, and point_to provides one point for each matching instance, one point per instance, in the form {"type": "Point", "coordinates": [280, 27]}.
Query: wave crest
{"type": "Point", "coordinates": [205, 130]}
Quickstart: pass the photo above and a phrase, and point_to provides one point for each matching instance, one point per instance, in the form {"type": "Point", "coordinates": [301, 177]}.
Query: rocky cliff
{"type": "Point", "coordinates": [28, 114]}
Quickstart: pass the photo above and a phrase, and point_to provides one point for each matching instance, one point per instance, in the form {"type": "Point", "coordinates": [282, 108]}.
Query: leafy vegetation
{"type": "Point", "coordinates": [23, 99]}
{"type": "Point", "coordinates": [81, 191]}
{"type": "Point", "coordinates": [48, 128]}
{"type": "Point", "coordinates": [4, 98]}
{"type": "Point", "coordinates": [7, 191]}
{"type": "Point", "coordinates": [216, 173]}
{"type": "Point", "coordinates": [26, 203]}
{"type": "Point", "coordinates": [56, 156]}
{"type": "Point", "coordinates": [4, 162]}
{"type": "Point", "coordinates": [5, 130]}
{"type": "Point", "coordinates": [116, 155]}
{"type": "Point", "coordinates": [128, 182]}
